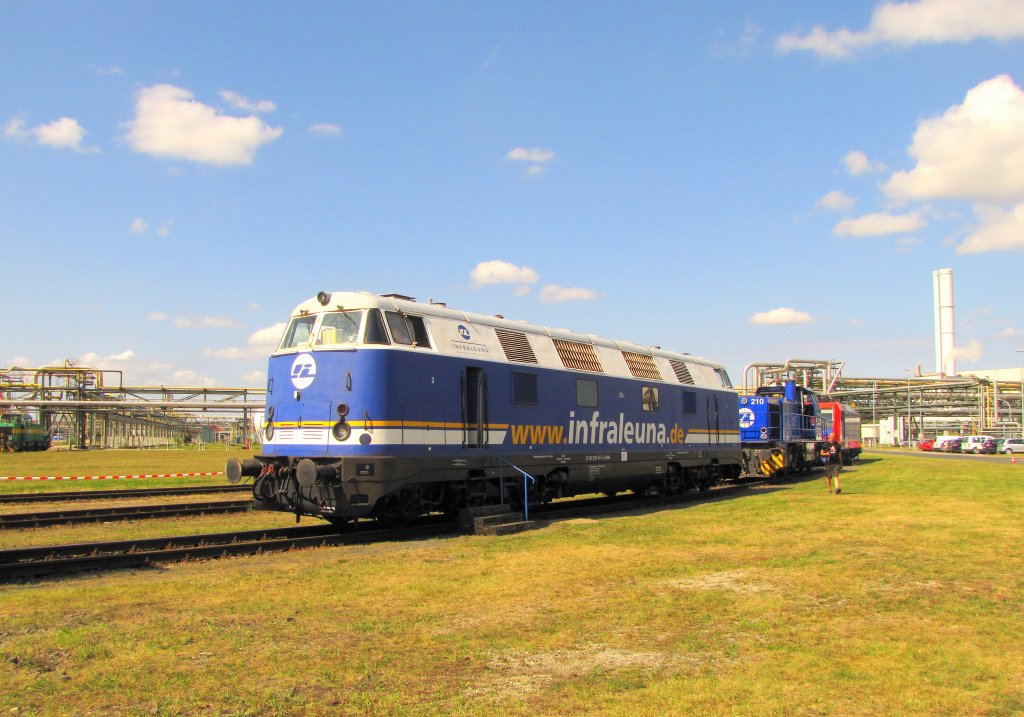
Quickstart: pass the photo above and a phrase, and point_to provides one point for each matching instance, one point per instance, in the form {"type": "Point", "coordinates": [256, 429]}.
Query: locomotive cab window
{"type": "Point", "coordinates": [340, 327]}
{"type": "Point", "coordinates": [300, 330]}
{"type": "Point", "coordinates": [649, 397]}
{"type": "Point", "coordinates": [408, 330]}
{"type": "Point", "coordinates": [375, 331]}
{"type": "Point", "coordinates": [586, 393]}
{"type": "Point", "coordinates": [723, 377]}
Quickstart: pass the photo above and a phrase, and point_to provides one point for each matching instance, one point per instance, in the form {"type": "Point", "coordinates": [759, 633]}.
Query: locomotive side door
{"type": "Point", "coordinates": [474, 407]}
{"type": "Point", "coordinates": [714, 424]}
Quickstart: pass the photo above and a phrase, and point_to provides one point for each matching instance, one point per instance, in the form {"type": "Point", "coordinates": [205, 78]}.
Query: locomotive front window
{"type": "Point", "coordinates": [299, 332]}
{"type": "Point", "coordinates": [375, 333]}
{"type": "Point", "coordinates": [340, 327]}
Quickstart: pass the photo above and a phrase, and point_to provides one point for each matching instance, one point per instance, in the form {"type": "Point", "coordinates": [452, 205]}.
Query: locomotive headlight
{"type": "Point", "coordinates": [324, 298]}
{"type": "Point", "coordinates": [342, 409]}
{"type": "Point", "coordinates": [341, 431]}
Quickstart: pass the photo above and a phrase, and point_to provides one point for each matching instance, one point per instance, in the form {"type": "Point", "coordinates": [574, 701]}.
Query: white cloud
{"type": "Point", "coordinates": [857, 163]}
{"type": "Point", "coordinates": [206, 322]}
{"type": "Point", "coordinates": [268, 336]}
{"type": "Point", "coordinates": [217, 322]}
{"type": "Point", "coordinates": [139, 371]}
{"type": "Point", "coordinates": [239, 102]}
{"type": "Point", "coordinates": [1010, 333]}
{"type": "Point", "coordinates": [998, 230]}
{"type": "Point", "coordinates": [913, 23]}
{"type": "Point", "coordinates": [170, 123]}
{"type": "Point", "coordinates": [555, 294]}
{"type": "Point", "coordinates": [325, 130]}
{"type": "Point", "coordinates": [836, 201]}
{"type": "Point", "coordinates": [188, 377]}
{"type": "Point", "coordinates": [501, 272]}
{"type": "Point", "coordinates": [141, 226]}
{"type": "Point", "coordinates": [63, 133]}
{"type": "Point", "coordinates": [530, 154]}
{"type": "Point", "coordinates": [156, 316]}
{"type": "Point", "coordinates": [740, 47]}
{"type": "Point", "coordinates": [259, 344]}
{"type": "Point", "coordinates": [254, 378]}
{"type": "Point", "coordinates": [879, 224]}
{"type": "Point", "coordinates": [970, 353]}
{"type": "Point", "coordinates": [974, 151]}
{"type": "Point", "coordinates": [905, 245]}
{"type": "Point", "coordinates": [781, 315]}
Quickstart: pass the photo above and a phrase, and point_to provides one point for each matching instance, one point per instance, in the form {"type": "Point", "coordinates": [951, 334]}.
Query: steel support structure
{"type": "Point", "coordinates": [91, 407]}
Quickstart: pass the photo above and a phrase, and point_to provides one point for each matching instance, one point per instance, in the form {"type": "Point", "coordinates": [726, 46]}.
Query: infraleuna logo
{"type": "Point", "coordinates": [303, 371]}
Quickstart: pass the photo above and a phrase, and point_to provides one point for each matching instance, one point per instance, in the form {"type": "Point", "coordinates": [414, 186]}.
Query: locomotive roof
{"type": "Point", "coordinates": [339, 300]}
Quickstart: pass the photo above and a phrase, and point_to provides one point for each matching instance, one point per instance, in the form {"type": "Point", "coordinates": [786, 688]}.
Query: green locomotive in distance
{"type": "Point", "coordinates": [21, 432]}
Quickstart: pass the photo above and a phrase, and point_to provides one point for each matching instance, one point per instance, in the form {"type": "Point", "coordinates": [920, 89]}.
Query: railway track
{"type": "Point", "coordinates": [22, 563]}
{"type": "Point", "coordinates": [134, 512]}
{"type": "Point", "coordinates": [127, 493]}
{"type": "Point", "coordinates": [55, 560]}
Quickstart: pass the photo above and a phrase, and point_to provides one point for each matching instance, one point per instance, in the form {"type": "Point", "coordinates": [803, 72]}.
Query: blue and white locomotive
{"type": "Point", "coordinates": [382, 406]}
{"type": "Point", "coordinates": [780, 429]}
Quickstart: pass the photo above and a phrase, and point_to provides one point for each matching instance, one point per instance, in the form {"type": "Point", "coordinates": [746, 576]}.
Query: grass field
{"type": "Point", "coordinates": [112, 462]}
{"type": "Point", "coordinates": [901, 596]}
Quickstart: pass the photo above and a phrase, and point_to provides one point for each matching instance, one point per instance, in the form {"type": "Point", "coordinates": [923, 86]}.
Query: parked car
{"type": "Point", "coordinates": [1014, 445]}
{"type": "Point", "coordinates": [947, 445]}
{"type": "Point", "coordinates": [927, 445]}
{"type": "Point", "coordinates": [978, 444]}
{"type": "Point", "coordinates": [999, 444]}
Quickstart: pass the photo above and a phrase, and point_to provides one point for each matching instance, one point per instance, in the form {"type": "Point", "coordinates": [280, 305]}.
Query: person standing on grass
{"type": "Point", "coordinates": [833, 455]}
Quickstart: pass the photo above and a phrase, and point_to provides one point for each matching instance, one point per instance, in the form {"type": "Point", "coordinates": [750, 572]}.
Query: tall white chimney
{"type": "Point", "coordinates": [945, 338]}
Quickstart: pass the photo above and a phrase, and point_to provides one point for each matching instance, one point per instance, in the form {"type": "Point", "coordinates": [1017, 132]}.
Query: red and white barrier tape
{"type": "Point", "coordinates": [125, 477]}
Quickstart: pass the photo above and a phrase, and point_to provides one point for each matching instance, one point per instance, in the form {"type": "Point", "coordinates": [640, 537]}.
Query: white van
{"type": "Point", "coordinates": [977, 444]}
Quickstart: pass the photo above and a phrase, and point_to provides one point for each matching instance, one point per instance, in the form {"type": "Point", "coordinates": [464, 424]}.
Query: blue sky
{"type": "Point", "coordinates": [748, 181]}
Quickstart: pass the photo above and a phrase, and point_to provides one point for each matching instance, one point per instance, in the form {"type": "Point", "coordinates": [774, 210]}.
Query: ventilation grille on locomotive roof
{"type": "Point", "coordinates": [577, 355]}
{"type": "Point", "coordinates": [682, 372]}
{"type": "Point", "coordinates": [642, 365]}
{"type": "Point", "coordinates": [516, 346]}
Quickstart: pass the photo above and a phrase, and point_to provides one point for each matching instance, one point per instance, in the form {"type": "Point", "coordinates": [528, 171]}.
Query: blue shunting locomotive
{"type": "Point", "coordinates": [780, 430]}
{"type": "Point", "coordinates": [382, 406]}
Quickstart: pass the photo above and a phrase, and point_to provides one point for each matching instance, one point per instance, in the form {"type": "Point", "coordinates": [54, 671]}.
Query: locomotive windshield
{"type": "Point", "coordinates": [340, 327]}
{"type": "Point", "coordinates": [299, 332]}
